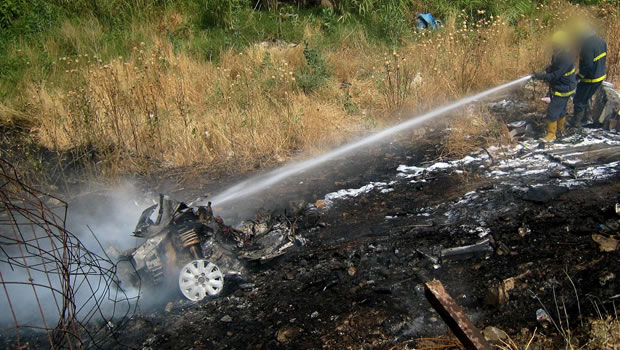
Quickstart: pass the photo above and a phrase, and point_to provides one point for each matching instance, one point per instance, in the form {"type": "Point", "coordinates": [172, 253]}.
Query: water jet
{"type": "Point", "coordinates": [263, 182]}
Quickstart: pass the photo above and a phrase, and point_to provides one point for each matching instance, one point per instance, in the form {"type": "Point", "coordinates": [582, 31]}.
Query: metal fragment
{"type": "Point", "coordinates": [468, 251]}
{"type": "Point", "coordinates": [454, 317]}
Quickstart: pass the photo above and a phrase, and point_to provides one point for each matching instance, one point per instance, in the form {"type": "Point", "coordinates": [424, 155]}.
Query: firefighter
{"type": "Point", "coordinates": [592, 60]}
{"type": "Point", "coordinates": [562, 84]}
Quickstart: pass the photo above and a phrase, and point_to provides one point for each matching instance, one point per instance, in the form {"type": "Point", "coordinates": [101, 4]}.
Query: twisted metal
{"type": "Point", "coordinates": [76, 293]}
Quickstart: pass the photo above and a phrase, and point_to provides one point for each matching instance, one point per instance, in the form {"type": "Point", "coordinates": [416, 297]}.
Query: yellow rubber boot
{"type": "Point", "coordinates": [562, 124]}
{"type": "Point", "coordinates": [552, 128]}
{"type": "Point", "coordinates": [561, 127]}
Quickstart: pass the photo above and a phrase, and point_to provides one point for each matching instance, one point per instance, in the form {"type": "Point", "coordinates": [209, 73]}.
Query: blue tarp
{"type": "Point", "coordinates": [427, 21]}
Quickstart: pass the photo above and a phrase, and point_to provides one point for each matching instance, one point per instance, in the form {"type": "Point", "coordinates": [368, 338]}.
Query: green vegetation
{"type": "Point", "coordinates": [314, 73]}
{"type": "Point", "coordinates": [214, 25]}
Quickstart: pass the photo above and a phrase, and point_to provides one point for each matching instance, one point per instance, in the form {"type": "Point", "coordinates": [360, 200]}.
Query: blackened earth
{"type": "Point", "coordinates": [358, 282]}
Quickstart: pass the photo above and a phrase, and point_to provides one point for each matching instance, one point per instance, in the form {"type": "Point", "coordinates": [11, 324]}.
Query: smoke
{"type": "Point", "coordinates": [108, 214]}
{"type": "Point", "coordinates": [111, 214]}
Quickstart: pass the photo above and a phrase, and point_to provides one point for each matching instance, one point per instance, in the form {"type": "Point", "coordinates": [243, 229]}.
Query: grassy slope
{"type": "Point", "coordinates": [137, 86]}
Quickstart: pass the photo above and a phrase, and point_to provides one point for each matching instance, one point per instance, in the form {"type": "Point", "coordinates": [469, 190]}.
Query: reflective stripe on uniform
{"type": "Point", "coordinates": [597, 80]}
{"type": "Point", "coordinates": [600, 56]}
{"type": "Point", "coordinates": [564, 94]}
{"type": "Point", "coordinates": [569, 73]}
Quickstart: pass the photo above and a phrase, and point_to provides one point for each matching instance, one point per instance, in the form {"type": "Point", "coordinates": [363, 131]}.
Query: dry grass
{"type": "Point", "coordinates": [473, 129]}
{"type": "Point", "coordinates": [605, 334]}
{"type": "Point", "coordinates": [597, 334]}
{"type": "Point", "coordinates": [611, 30]}
{"type": "Point", "coordinates": [168, 110]}
{"type": "Point", "coordinates": [158, 108]}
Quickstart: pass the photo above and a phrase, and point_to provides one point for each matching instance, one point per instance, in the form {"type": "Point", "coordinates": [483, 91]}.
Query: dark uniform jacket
{"type": "Point", "coordinates": [592, 59]}
{"type": "Point", "coordinates": [561, 74]}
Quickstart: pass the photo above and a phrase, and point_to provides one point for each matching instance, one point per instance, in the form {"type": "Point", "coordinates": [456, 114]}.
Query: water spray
{"type": "Point", "coordinates": [262, 182]}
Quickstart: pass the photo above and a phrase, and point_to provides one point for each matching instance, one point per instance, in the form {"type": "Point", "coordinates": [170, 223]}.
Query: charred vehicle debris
{"type": "Point", "coordinates": [188, 243]}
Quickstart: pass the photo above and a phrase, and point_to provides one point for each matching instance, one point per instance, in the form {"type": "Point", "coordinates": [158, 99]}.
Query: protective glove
{"type": "Point", "coordinates": [538, 75]}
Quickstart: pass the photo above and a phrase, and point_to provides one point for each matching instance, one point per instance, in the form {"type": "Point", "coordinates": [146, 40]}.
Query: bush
{"type": "Point", "coordinates": [222, 13]}
{"type": "Point", "coordinates": [314, 74]}
{"type": "Point", "coordinates": [21, 17]}
{"type": "Point", "coordinates": [9, 11]}
{"type": "Point", "coordinates": [392, 20]}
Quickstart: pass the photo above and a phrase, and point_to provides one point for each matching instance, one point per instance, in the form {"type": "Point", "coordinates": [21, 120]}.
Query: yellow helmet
{"type": "Point", "coordinates": [581, 28]}
{"type": "Point", "coordinates": [560, 39]}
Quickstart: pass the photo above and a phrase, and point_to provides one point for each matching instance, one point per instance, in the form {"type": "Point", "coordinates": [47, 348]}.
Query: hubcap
{"type": "Point", "coordinates": [200, 278]}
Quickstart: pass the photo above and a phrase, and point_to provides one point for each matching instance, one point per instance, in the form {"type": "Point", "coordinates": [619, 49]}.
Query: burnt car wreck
{"type": "Point", "coordinates": [189, 245]}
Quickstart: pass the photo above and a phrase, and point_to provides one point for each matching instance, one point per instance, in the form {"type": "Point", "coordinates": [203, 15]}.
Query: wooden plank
{"type": "Point", "coordinates": [583, 156]}
{"type": "Point", "coordinates": [581, 149]}
{"type": "Point", "coordinates": [454, 317]}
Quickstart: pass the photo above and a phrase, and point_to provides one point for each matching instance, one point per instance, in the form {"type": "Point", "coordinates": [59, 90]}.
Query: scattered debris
{"type": "Point", "coordinates": [521, 129]}
{"type": "Point", "coordinates": [543, 318]}
{"type": "Point", "coordinates": [499, 294]}
{"type": "Point", "coordinates": [354, 192]}
{"type": "Point", "coordinates": [524, 230]}
{"type": "Point", "coordinates": [288, 334]}
{"type": "Point", "coordinates": [465, 252]}
{"type": "Point", "coordinates": [247, 286]}
{"type": "Point", "coordinates": [502, 249]}
{"type": "Point", "coordinates": [544, 193]}
{"type": "Point", "coordinates": [586, 155]}
{"type": "Point", "coordinates": [606, 104]}
{"type": "Point", "coordinates": [606, 277]}
{"type": "Point", "coordinates": [351, 271]}
{"type": "Point", "coordinates": [606, 244]}
{"type": "Point", "coordinates": [495, 336]}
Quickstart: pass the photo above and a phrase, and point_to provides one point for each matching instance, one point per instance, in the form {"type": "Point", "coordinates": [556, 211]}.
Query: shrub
{"type": "Point", "coordinates": [397, 82]}
{"type": "Point", "coordinates": [9, 11]}
{"type": "Point", "coordinates": [222, 13]}
{"type": "Point", "coordinates": [392, 21]}
{"type": "Point", "coordinates": [314, 74]}
{"type": "Point", "coordinates": [21, 17]}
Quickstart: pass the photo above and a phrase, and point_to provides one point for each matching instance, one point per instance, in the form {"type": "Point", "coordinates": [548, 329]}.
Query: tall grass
{"type": "Point", "coordinates": [157, 108]}
{"type": "Point", "coordinates": [182, 90]}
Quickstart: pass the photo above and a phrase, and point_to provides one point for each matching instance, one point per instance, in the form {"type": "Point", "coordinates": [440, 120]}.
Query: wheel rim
{"type": "Point", "coordinates": [200, 278]}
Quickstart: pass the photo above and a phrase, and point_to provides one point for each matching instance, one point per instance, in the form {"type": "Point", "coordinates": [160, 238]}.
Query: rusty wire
{"type": "Point", "coordinates": [41, 259]}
